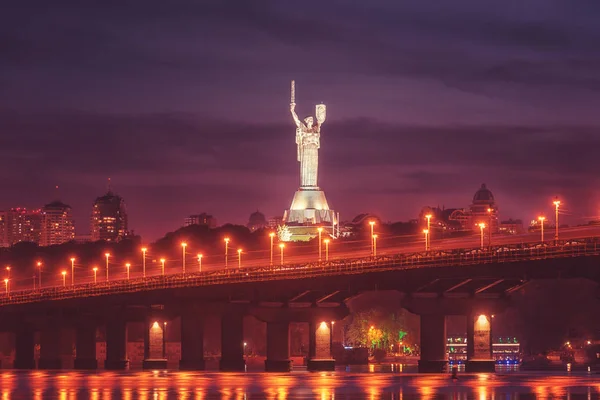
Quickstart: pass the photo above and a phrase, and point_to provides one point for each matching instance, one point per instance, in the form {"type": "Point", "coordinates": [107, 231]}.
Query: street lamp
{"type": "Point", "coordinates": [281, 247]}
{"type": "Point", "coordinates": [428, 217]}
{"type": "Point", "coordinates": [271, 235]}
{"type": "Point", "coordinates": [556, 203]}
{"type": "Point", "coordinates": [426, 232]}
{"type": "Point", "coordinates": [481, 226]}
{"type": "Point", "coordinates": [239, 251]}
{"type": "Point", "coordinates": [183, 246]}
{"type": "Point", "coordinates": [72, 271]}
{"type": "Point", "coordinates": [127, 266]}
{"type": "Point", "coordinates": [95, 269]}
{"type": "Point", "coordinates": [372, 223]}
{"type": "Point", "coordinates": [64, 276]}
{"type": "Point", "coordinates": [320, 230]}
{"type": "Point", "coordinates": [226, 246]}
{"type": "Point", "coordinates": [107, 256]}
{"type": "Point", "coordinates": [374, 245]}
{"type": "Point", "coordinates": [542, 219]}
{"type": "Point", "coordinates": [144, 250]}
{"type": "Point", "coordinates": [199, 262]}
{"type": "Point", "coordinates": [39, 265]}
{"type": "Point", "coordinates": [162, 261]}
{"type": "Point", "coordinates": [326, 241]}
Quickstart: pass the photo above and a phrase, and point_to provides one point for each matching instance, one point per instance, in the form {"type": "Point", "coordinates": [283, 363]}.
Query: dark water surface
{"type": "Point", "coordinates": [70, 385]}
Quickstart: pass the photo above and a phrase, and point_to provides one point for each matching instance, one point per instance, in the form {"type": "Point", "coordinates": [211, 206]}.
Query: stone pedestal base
{"type": "Point", "coordinates": [24, 364]}
{"type": "Point", "coordinates": [434, 367]}
{"type": "Point", "coordinates": [85, 363]}
{"type": "Point", "coordinates": [480, 366]}
{"type": "Point", "coordinates": [50, 363]}
{"type": "Point", "coordinates": [116, 365]}
{"type": "Point", "coordinates": [156, 363]}
{"type": "Point", "coordinates": [278, 365]}
{"type": "Point", "coordinates": [192, 365]}
{"type": "Point", "coordinates": [232, 365]}
{"type": "Point", "coordinates": [321, 365]}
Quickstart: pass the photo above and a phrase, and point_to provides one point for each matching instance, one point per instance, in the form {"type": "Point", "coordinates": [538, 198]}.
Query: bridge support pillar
{"type": "Point", "coordinates": [116, 344]}
{"type": "Point", "coordinates": [278, 347]}
{"type": "Point", "coordinates": [192, 342]}
{"type": "Point", "coordinates": [433, 343]}
{"type": "Point", "coordinates": [50, 346]}
{"type": "Point", "coordinates": [24, 355]}
{"type": "Point", "coordinates": [319, 347]}
{"type": "Point", "coordinates": [85, 346]}
{"type": "Point", "coordinates": [155, 344]}
{"type": "Point", "coordinates": [479, 344]}
{"type": "Point", "coordinates": [232, 341]}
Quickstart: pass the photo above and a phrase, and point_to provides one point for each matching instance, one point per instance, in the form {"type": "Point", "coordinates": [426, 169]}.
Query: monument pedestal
{"type": "Point", "coordinates": [308, 212]}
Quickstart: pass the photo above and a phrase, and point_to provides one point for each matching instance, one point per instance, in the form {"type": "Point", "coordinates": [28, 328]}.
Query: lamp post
{"type": "Point", "coordinates": [39, 265]}
{"type": "Point", "coordinates": [72, 271]}
{"type": "Point", "coordinates": [199, 262]}
{"type": "Point", "coordinates": [64, 276]}
{"type": "Point", "coordinates": [183, 246]}
{"type": "Point", "coordinates": [326, 241]}
{"type": "Point", "coordinates": [556, 203]}
{"type": "Point", "coordinates": [426, 232]}
{"type": "Point", "coordinates": [144, 250]}
{"type": "Point", "coordinates": [162, 262]}
{"type": "Point", "coordinates": [95, 269]}
{"type": "Point", "coordinates": [239, 251]}
{"type": "Point", "coordinates": [127, 266]}
{"type": "Point", "coordinates": [481, 226]}
{"type": "Point", "coordinates": [320, 230]}
{"type": "Point", "coordinates": [271, 235]}
{"type": "Point", "coordinates": [107, 257]}
{"type": "Point", "coordinates": [372, 223]}
{"type": "Point", "coordinates": [226, 246]}
{"type": "Point", "coordinates": [374, 245]}
{"type": "Point", "coordinates": [6, 284]}
{"type": "Point", "coordinates": [489, 210]}
{"type": "Point", "coordinates": [542, 219]}
{"type": "Point", "coordinates": [281, 247]}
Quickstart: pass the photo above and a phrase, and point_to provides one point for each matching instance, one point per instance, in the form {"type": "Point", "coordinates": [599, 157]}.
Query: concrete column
{"type": "Point", "coordinates": [479, 344]}
{"type": "Point", "coordinates": [192, 342]}
{"type": "Point", "coordinates": [319, 347]}
{"type": "Point", "coordinates": [24, 352]}
{"type": "Point", "coordinates": [155, 344]}
{"type": "Point", "coordinates": [85, 346]}
{"type": "Point", "coordinates": [433, 343]}
{"type": "Point", "coordinates": [116, 344]}
{"type": "Point", "coordinates": [278, 347]}
{"type": "Point", "coordinates": [50, 346]}
{"type": "Point", "coordinates": [232, 341]}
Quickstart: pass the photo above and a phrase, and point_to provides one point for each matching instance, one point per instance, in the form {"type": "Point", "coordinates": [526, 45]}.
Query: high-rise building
{"type": "Point", "coordinates": [57, 224]}
{"type": "Point", "coordinates": [109, 218]}
{"type": "Point", "coordinates": [201, 219]}
{"type": "Point", "coordinates": [20, 225]}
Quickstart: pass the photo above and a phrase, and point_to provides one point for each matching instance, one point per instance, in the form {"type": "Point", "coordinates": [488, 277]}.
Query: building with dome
{"type": "Point", "coordinates": [484, 209]}
{"type": "Point", "coordinates": [257, 221]}
{"type": "Point", "coordinates": [109, 218]}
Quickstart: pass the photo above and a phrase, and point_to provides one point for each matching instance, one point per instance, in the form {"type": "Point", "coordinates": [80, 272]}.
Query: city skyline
{"type": "Point", "coordinates": [423, 109]}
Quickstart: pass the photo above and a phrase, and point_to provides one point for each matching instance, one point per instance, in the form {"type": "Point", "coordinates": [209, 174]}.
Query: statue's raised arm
{"type": "Point", "coordinates": [299, 123]}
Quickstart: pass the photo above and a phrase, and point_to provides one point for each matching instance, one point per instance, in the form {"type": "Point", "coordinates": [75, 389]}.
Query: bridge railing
{"type": "Point", "coordinates": [431, 259]}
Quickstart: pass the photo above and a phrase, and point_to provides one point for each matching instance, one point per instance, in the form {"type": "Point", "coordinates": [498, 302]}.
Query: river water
{"type": "Point", "coordinates": [342, 384]}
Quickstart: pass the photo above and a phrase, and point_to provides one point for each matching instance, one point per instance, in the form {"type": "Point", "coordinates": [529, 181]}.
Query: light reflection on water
{"type": "Point", "coordinates": [342, 384]}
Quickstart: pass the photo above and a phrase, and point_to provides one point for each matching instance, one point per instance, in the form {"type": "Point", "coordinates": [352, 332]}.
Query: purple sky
{"type": "Point", "coordinates": [185, 105]}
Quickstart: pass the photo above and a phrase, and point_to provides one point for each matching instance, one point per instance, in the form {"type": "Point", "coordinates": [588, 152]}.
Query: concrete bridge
{"type": "Point", "coordinates": [476, 283]}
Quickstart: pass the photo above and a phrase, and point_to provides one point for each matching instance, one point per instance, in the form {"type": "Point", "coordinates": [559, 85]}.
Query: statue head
{"type": "Point", "coordinates": [308, 121]}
